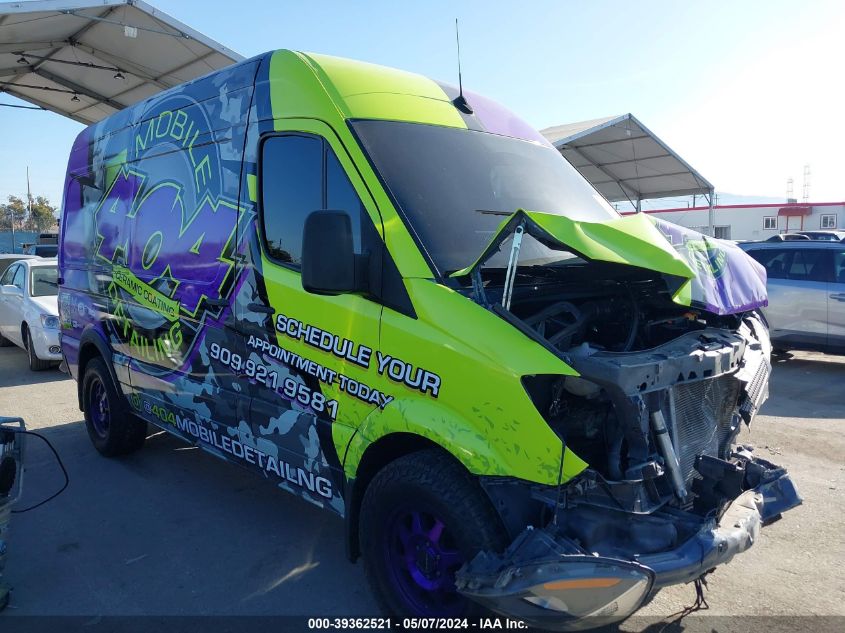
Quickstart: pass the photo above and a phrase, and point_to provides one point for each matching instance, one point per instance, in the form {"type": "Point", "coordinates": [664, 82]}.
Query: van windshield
{"type": "Point", "coordinates": [455, 187]}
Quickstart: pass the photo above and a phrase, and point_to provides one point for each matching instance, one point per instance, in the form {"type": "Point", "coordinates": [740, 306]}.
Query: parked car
{"type": "Point", "coordinates": [43, 250]}
{"type": "Point", "coordinates": [404, 305]}
{"type": "Point", "coordinates": [789, 237]}
{"type": "Point", "coordinates": [7, 259]}
{"type": "Point", "coordinates": [825, 236]}
{"type": "Point", "coordinates": [29, 315]}
{"type": "Point", "coordinates": [806, 284]}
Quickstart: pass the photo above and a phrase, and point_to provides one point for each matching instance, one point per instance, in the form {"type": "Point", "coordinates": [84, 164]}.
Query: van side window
{"type": "Point", "coordinates": [301, 174]}
{"type": "Point", "coordinates": [291, 188]}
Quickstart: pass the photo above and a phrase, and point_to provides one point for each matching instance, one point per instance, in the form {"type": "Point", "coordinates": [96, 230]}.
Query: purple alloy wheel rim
{"type": "Point", "coordinates": [100, 413]}
{"type": "Point", "coordinates": [422, 558]}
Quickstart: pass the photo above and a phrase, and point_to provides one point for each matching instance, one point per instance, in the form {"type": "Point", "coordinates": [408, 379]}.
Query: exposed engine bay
{"type": "Point", "coordinates": [655, 411]}
{"type": "Point", "coordinates": [661, 387]}
{"type": "Point", "coordinates": [610, 307]}
{"type": "Point", "coordinates": [670, 361]}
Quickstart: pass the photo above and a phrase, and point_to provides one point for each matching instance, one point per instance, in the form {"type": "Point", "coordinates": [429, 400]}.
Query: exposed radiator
{"type": "Point", "coordinates": [703, 417]}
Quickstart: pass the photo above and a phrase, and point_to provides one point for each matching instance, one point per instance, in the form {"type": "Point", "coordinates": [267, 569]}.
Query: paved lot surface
{"type": "Point", "coordinates": [172, 531]}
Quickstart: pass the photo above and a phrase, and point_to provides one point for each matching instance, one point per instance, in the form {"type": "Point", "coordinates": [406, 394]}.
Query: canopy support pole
{"type": "Point", "coordinates": [711, 215]}
{"type": "Point", "coordinates": [639, 205]}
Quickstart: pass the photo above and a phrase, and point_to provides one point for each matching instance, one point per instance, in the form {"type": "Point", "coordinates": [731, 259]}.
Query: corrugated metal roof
{"type": "Point", "coordinates": [86, 59]}
{"type": "Point", "coordinates": [624, 160]}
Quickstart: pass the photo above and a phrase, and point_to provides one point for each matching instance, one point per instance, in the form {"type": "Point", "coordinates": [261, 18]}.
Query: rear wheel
{"type": "Point", "coordinates": [35, 363]}
{"type": "Point", "coordinates": [4, 342]}
{"type": "Point", "coordinates": [423, 516]}
{"type": "Point", "coordinates": [112, 427]}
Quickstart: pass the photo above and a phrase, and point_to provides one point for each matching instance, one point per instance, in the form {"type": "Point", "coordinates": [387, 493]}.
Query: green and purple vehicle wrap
{"type": "Point", "coordinates": [587, 372]}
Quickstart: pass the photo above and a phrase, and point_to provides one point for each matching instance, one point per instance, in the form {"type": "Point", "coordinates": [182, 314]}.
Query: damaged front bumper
{"type": "Point", "coordinates": [549, 580]}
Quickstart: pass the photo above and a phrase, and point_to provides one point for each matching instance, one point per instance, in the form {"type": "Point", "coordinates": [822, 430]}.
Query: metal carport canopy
{"type": "Point", "coordinates": [624, 160]}
{"type": "Point", "coordinates": [86, 59]}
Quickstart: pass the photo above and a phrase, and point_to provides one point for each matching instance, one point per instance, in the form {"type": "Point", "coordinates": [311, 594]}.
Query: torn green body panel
{"type": "Point", "coordinates": [469, 441]}
{"type": "Point", "coordinates": [482, 414]}
{"type": "Point", "coordinates": [701, 272]}
{"type": "Point", "coordinates": [632, 240]}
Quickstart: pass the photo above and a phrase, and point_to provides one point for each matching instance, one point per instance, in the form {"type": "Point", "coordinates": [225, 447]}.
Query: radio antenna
{"type": "Point", "coordinates": [460, 102]}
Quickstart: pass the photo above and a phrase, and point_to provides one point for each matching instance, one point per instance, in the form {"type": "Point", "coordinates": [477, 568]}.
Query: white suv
{"type": "Point", "coordinates": [29, 314]}
{"type": "Point", "coordinates": [806, 284]}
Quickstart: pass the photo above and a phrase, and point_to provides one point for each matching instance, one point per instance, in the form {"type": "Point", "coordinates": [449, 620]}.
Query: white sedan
{"type": "Point", "coordinates": [29, 313]}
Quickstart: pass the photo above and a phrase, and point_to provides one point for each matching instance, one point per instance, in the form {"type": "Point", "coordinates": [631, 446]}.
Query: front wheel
{"type": "Point", "coordinates": [112, 427]}
{"type": "Point", "coordinates": [423, 516]}
{"type": "Point", "coordinates": [35, 363]}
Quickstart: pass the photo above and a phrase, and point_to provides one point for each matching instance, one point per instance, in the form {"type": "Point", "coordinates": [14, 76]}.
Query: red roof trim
{"type": "Point", "coordinates": [792, 210]}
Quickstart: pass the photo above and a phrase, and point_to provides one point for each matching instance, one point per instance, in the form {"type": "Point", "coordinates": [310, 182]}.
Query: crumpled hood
{"type": "Point", "coordinates": [721, 278]}
{"type": "Point", "coordinates": [726, 279]}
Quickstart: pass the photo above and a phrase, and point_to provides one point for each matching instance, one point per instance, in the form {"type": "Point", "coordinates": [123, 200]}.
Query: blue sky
{"type": "Point", "coordinates": [747, 92]}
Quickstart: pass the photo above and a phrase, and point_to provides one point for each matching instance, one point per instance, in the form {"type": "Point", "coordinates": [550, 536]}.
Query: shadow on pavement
{"type": "Point", "coordinates": [806, 387]}
{"type": "Point", "coordinates": [15, 370]}
{"type": "Point", "coordinates": [170, 530]}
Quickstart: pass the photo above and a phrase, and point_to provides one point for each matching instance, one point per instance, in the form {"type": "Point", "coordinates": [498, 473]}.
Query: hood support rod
{"type": "Point", "coordinates": [513, 262]}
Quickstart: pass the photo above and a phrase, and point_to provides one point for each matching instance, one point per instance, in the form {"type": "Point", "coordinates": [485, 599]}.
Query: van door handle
{"type": "Point", "coordinates": [838, 296]}
{"type": "Point", "coordinates": [260, 307]}
{"type": "Point", "coordinates": [217, 303]}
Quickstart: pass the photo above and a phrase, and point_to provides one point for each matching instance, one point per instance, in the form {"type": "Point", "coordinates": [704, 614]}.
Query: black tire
{"type": "Point", "coordinates": [112, 427]}
{"type": "Point", "coordinates": [437, 487]}
{"type": "Point", "coordinates": [35, 363]}
{"type": "Point", "coordinates": [4, 342]}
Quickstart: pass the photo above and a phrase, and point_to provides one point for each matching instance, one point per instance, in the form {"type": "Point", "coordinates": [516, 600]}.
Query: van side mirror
{"type": "Point", "coordinates": [329, 263]}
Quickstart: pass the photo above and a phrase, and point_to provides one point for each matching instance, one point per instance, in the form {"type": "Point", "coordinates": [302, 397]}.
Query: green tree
{"type": "Point", "coordinates": [12, 213]}
{"type": "Point", "coordinates": [42, 214]}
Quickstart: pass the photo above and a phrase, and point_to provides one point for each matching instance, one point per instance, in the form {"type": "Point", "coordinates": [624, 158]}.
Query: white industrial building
{"type": "Point", "coordinates": [759, 221]}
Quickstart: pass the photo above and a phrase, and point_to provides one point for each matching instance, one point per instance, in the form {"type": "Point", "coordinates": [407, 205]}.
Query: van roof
{"type": "Point", "coordinates": [330, 87]}
{"type": "Point", "coordinates": [369, 91]}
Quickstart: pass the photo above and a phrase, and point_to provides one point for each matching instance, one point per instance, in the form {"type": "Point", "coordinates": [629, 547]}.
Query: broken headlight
{"type": "Point", "coordinates": [590, 589]}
